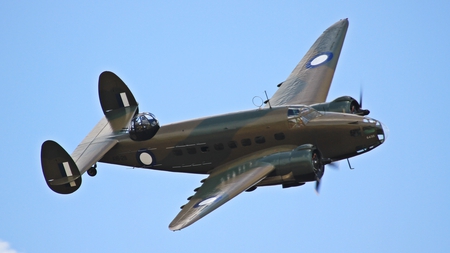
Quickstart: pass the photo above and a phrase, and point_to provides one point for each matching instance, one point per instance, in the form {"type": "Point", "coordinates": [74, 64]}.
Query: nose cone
{"type": "Point", "coordinates": [382, 131]}
{"type": "Point", "coordinates": [385, 132]}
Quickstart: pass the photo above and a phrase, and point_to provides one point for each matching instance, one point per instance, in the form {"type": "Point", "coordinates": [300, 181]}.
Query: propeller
{"type": "Point", "coordinates": [361, 111]}
{"type": "Point", "coordinates": [360, 97]}
{"type": "Point", "coordinates": [320, 169]}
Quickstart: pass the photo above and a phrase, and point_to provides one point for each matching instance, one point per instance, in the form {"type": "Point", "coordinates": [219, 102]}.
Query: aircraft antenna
{"type": "Point", "coordinates": [350, 166]}
{"type": "Point", "coordinates": [255, 103]}
{"type": "Point", "coordinates": [268, 100]}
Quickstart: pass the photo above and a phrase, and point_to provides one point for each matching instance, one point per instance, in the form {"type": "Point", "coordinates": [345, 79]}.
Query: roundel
{"type": "Point", "coordinates": [319, 59]}
{"type": "Point", "coordinates": [145, 157]}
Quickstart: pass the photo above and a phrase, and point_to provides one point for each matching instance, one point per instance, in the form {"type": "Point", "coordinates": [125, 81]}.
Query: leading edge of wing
{"type": "Point", "coordinates": [310, 81]}
{"type": "Point", "coordinates": [220, 187]}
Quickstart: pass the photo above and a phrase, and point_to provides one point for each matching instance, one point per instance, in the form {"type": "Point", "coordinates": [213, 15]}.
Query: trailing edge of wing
{"type": "Point", "coordinates": [219, 188]}
{"type": "Point", "coordinates": [310, 81]}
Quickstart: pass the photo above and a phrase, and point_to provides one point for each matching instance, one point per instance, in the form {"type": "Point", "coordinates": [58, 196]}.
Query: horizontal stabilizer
{"type": "Point", "coordinates": [119, 106]}
{"type": "Point", "coordinates": [60, 171]}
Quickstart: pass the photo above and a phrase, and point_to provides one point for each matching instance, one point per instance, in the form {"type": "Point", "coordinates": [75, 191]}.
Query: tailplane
{"type": "Point", "coordinates": [62, 171]}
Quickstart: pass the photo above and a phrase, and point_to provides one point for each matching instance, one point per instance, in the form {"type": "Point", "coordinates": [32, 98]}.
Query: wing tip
{"type": "Point", "coordinates": [176, 227]}
{"type": "Point", "coordinates": [343, 21]}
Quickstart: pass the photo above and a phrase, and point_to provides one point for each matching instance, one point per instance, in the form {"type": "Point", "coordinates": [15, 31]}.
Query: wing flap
{"type": "Point", "coordinates": [219, 188]}
{"type": "Point", "coordinates": [310, 81]}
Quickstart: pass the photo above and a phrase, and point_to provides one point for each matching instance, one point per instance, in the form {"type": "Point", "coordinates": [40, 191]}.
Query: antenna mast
{"type": "Point", "coordinates": [268, 100]}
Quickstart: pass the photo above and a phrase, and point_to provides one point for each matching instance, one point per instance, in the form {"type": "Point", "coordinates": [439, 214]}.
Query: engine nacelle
{"type": "Point", "coordinates": [143, 127]}
{"type": "Point", "coordinates": [344, 104]}
{"type": "Point", "coordinates": [295, 167]}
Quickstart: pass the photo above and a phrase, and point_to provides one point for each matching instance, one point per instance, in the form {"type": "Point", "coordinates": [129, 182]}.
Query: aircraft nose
{"type": "Point", "coordinates": [382, 130]}
{"type": "Point", "coordinates": [385, 131]}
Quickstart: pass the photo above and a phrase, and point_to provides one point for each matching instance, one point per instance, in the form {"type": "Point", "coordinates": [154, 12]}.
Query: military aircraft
{"type": "Point", "coordinates": [288, 142]}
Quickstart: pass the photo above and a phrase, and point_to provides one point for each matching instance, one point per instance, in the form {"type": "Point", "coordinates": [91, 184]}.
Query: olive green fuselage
{"type": "Point", "coordinates": [200, 145]}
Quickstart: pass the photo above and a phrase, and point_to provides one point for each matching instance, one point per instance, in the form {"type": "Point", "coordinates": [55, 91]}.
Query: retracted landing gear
{"type": "Point", "coordinates": [92, 171]}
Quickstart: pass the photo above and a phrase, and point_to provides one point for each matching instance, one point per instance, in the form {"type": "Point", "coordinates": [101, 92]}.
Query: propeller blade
{"type": "Point", "coordinates": [362, 111]}
{"type": "Point", "coordinates": [361, 97]}
{"type": "Point", "coordinates": [317, 186]}
{"type": "Point", "coordinates": [333, 165]}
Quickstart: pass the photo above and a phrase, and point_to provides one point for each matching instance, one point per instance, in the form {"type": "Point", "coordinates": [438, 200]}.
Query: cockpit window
{"type": "Point", "coordinates": [300, 116]}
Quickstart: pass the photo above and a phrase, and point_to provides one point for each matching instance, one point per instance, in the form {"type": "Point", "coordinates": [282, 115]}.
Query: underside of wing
{"type": "Point", "coordinates": [310, 81]}
{"type": "Point", "coordinates": [221, 186]}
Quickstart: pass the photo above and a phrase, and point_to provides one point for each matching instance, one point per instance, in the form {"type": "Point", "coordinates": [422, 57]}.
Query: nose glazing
{"type": "Point", "coordinates": [384, 131]}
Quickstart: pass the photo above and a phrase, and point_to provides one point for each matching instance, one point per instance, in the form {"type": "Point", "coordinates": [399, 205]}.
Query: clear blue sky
{"type": "Point", "coordinates": [191, 59]}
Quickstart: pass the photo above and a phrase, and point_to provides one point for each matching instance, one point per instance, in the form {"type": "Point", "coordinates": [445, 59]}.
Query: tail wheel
{"type": "Point", "coordinates": [92, 171]}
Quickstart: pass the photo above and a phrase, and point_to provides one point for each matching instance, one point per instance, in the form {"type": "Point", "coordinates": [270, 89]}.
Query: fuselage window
{"type": "Point", "coordinates": [246, 142]}
{"type": "Point", "coordinates": [204, 149]}
{"type": "Point", "coordinates": [218, 146]}
{"type": "Point", "coordinates": [260, 139]}
{"type": "Point", "coordinates": [177, 152]}
{"type": "Point", "coordinates": [355, 132]}
{"type": "Point", "coordinates": [293, 112]}
{"type": "Point", "coordinates": [191, 150]}
{"type": "Point", "coordinates": [279, 136]}
{"type": "Point", "coordinates": [299, 117]}
{"type": "Point", "coordinates": [232, 144]}
{"type": "Point", "coordinates": [369, 130]}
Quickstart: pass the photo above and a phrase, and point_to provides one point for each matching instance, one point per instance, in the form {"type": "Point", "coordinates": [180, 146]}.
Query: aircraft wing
{"type": "Point", "coordinates": [310, 81]}
{"type": "Point", "coordinates": [222, 185]}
